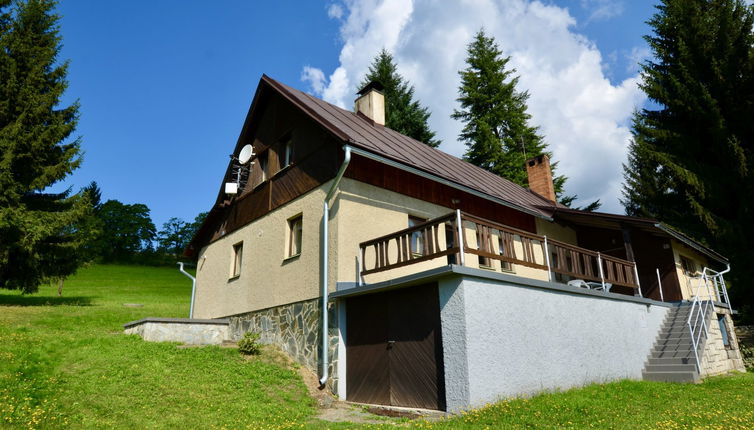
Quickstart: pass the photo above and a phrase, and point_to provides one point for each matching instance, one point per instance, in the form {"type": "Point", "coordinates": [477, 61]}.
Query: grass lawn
{"type": "Point", "coordinates": [65, 363]}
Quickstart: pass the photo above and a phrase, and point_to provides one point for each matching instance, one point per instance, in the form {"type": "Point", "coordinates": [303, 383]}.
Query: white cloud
{"type": "Point", "coordinates": [602, 9]}
{"type": "Point", "coordinates": [335, 11]}
{"type": "Point", "coordinates": [582, 115]}
{"type": "Point", "coordinates": [315, 77]}
{"type": "Point", "coordinates": [637, 55]}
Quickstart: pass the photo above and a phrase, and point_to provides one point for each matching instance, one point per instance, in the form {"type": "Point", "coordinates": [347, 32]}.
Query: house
{"type": "Point", "coordinates": [406, 276]}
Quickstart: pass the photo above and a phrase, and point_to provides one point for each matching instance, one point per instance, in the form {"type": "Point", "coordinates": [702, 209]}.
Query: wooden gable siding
{"type": "Point", "coordinates": [316, 160]}
{"type": "Point", "coordinates": [402, 182]}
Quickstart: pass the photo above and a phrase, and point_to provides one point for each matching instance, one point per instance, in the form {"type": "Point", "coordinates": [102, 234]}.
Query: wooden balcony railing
{"type": "Point", "coordinates": [439, 238]}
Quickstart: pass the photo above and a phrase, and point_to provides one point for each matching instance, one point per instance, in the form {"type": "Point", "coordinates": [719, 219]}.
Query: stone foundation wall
{"type": "Point", "coordinates": [295, 328]}
{"type": "Point", "coordinates": [717, 358]}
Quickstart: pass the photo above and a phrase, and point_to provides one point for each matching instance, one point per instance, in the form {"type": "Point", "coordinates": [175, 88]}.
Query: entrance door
{"type": "Point", "coordinates": [394, 348]}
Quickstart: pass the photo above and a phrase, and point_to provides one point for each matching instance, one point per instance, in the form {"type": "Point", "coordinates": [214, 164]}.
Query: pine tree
{"type": "Point", "coordinates": [402, 113]}
{"type": "Point", "coordinates": [496, 122]}
{"type": "Point", "coordinates": [690, 162]}
{"type": "Point", "coordinates": [38, 235]}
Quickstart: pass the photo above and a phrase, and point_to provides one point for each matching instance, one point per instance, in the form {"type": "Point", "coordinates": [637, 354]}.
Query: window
{"type": "Point", "coordinates": [505, 244]}
{"type": "Point", "coordinates": [262, 167]}
{"type": "Point", "coordinates": [287, 156]}
{"type": "Point", "coordinates": [689, 268]}
{"type": "Point", "coordinates": [417, 238]}
{"type": "Point", "coordinates": [295, 232]}
{"type": "Point", "coordinates": [484, 244]}
{"type": "Point", "coordinates": [235, 270]}
{"type": "Point", "coordinates": [723, 330]}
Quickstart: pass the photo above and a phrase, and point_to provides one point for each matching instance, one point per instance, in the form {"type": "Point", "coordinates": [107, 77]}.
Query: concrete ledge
{"type": "Point", "coordinates": [184, 330]}
{"type": "Point", "coordinates": [177, 321]}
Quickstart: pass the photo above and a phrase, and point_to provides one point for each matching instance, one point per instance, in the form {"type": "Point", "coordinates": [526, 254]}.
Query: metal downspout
{"type": "Point", "coordinates": [193, 289]}
{"type": "Point", "coordinates": [325, 264]}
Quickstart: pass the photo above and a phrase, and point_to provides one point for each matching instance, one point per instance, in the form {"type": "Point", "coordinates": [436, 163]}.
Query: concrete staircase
{"type": "Point", "coordinates": [672, 358]}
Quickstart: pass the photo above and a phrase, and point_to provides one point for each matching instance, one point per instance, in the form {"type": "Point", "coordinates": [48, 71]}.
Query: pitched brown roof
{"type": "Point", "coordinates": [361, 132]}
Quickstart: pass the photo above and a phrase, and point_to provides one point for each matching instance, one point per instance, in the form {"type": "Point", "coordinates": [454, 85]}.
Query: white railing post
{"type": "Point", "coordinates": [638, 284]}
{"type": "Point", "coordinates": [659, 284]}
{"type": "Point", "coordinates": [461, 250]}
{"type": "Point", "coordinates": [547, 259]}
{"type": "Point", "coordinates": [602, 275]}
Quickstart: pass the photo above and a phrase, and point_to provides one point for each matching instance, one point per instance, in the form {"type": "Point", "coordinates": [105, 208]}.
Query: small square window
{"type": "Point", "coordinates": [689, 267]}
{"type": "Point", "coordinates": [295, 233]}
{"type": "Point", "coordinates": [235, 270]}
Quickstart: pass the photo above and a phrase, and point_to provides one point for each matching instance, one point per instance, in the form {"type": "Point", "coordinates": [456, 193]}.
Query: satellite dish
{"type": "Point", "coordinates": [245, 155]}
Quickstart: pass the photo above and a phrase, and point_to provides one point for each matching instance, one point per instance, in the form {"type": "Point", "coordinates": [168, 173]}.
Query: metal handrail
{"type": "Point", "coordinates": [700, 308]}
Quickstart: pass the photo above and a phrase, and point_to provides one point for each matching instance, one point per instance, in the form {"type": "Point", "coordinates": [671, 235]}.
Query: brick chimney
{"type": "Point", "coordinates": [371, 102]}
{"type": "Point", "coordinates": [540, 176]}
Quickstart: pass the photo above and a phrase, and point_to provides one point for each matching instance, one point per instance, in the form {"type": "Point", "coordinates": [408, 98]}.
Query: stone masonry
{"type": "Point", "coordinates": [295, 328]}
{"type": "Point", "coordinates": [716, 358]}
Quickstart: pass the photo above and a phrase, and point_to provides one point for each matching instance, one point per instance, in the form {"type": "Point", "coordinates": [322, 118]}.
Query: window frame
{"type": "Point", "coordinates": [288, 153]}
{"type": "Point", "coordinates": [295, 236]}
{"type": "Point", "coordinates": [687, 264]}
{"type": "Point", "coordinates": [237, 262]}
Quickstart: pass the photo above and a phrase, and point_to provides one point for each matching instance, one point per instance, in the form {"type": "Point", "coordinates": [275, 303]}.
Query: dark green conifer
{"type": "Point", "coordinates": [38, 235]}
{"type": "Point", "coordinates": [690, 163]}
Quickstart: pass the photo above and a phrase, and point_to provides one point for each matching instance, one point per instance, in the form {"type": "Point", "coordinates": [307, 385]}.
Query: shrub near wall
{"type": "Point", "coordinates": [745, 335]}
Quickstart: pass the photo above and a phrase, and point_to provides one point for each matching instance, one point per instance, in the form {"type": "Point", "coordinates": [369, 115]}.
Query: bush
{"type": "Point", "coordinates": [747, 353]}
{"type": "Point", "coordinates": [249, 344]}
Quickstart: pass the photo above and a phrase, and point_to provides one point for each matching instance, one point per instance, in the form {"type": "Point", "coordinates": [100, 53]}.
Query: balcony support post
{"type": "Point", "coordinates": [602, 274]}
{"type": "Point", "coordinates": [547, 259]}
{"type": "Point", "coordinates": [659, 284]}
{"type": "Point", "coordinates": [461, 250]}
{"type": "Point", "coordinates": [638, 284]}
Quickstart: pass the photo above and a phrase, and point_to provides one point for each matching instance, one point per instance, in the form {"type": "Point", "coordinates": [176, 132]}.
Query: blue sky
{"type": "Point", "coordinates": [164, 86]}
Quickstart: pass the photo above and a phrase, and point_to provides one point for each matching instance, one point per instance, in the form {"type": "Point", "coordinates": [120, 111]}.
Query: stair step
{"type": "Point", "coordinates": [692, 377]}
{"type": "Point", "coordinates": [664, 368]}
{"type": "Point", "coordinates": [674, 354]}
{"type": "Point", "coordinates": [671, 360]}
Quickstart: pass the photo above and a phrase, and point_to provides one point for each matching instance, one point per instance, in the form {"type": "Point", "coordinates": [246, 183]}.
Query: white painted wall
{"type": "Point", "coordinates": [502, 339]}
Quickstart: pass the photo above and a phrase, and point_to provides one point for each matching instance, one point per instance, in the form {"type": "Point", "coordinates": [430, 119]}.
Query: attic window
{"type": "Point", "coordinates": [287, 158]}
{"type": "Point", "coordinates": [263, 166]}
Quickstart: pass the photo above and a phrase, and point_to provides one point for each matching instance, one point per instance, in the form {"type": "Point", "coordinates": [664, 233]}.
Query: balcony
{"type": "Point", "coordinates": [492, 246]}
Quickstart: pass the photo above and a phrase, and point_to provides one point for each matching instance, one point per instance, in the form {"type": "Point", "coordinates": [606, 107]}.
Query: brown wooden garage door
{"type": "Point", "coordinates": [394, 348]}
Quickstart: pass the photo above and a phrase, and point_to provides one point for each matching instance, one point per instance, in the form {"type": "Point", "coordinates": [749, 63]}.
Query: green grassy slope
{"type": "Point", "coordinates": [65, 363]}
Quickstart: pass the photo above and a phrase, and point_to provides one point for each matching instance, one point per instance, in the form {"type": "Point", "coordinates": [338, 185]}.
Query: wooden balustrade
{"type": "Point", "coordinates": [424, 237]}
{"type": "Point", "coordinates": [514, 246]}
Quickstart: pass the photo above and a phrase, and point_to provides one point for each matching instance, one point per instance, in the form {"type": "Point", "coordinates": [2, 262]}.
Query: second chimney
{"type": "Point", "coordinates": [371, 102]}
{"type": "Point", "coordinates": [540, 176]}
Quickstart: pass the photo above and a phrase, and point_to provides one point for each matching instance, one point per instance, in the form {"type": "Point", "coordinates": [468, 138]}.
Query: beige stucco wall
{"type": "Point", "coordinates": [366, 212]}
{"type": "Point", "coordinates": [267, 277]}
{"type": "Point", "coordinates": [556, 231]}
{"type": "Point", "coordinates": [688, 285]}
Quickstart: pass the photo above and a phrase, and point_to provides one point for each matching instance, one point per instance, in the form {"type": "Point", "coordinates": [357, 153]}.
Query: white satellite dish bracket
{"type": "Point", "coordinates": [240, 166]}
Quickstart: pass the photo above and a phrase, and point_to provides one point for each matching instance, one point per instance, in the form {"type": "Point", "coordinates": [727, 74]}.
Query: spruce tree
{"type": "Point", "coordinates": [496, 127]}
{"type": "Point", "coordinates": [402, 113]}
{"type": "Point", "coordinates": [690, 163]}
{"type": "Point", "coordinates": [39, 239]}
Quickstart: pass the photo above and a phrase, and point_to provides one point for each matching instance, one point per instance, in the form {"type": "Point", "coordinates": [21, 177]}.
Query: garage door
{"type": "Point", "coordinates": [394, 348]}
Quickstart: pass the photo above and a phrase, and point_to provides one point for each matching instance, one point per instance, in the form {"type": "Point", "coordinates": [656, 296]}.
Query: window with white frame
{"type": "Point", "coordinates": [295, 235]}
{"type": "Point", "coordinates": [235, 269]}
